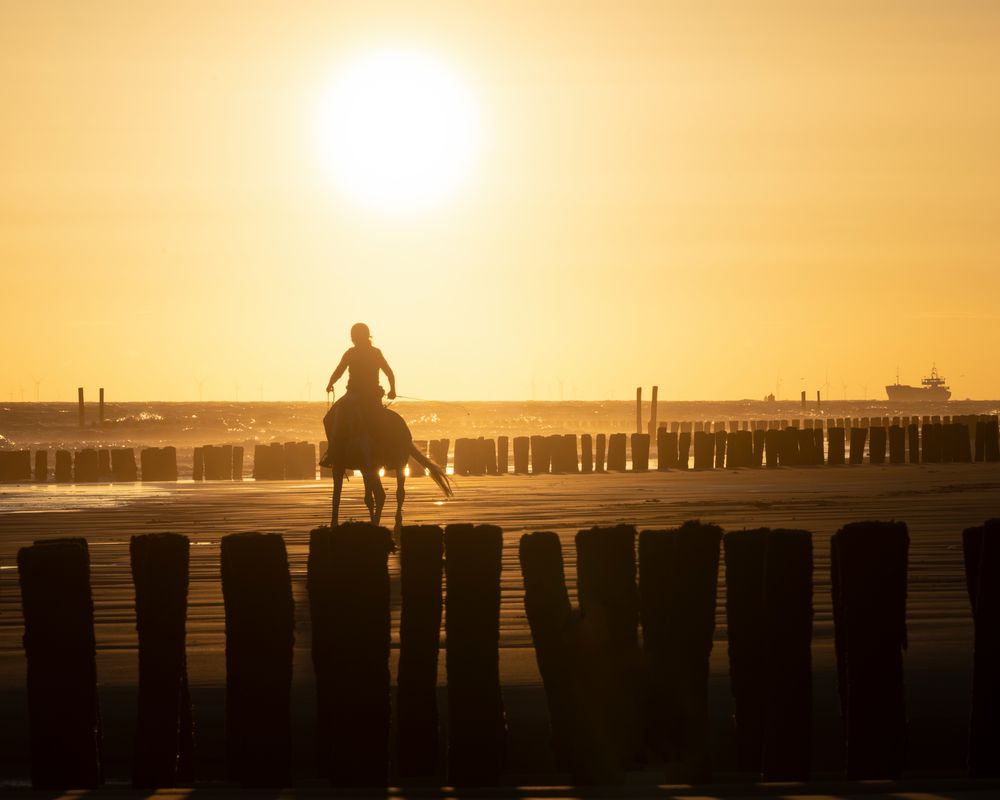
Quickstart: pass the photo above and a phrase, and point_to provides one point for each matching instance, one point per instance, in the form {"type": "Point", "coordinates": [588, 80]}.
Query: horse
{"type": "Point", "coordinates": [391, 448]}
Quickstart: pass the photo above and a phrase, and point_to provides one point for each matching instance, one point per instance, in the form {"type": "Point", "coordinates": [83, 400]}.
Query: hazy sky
{"type": "Point", "coordinates": [707, 196]}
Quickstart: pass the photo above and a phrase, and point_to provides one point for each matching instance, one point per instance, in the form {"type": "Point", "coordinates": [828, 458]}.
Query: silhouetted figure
{"type": "Point", "coordinates": [365, 436]}
{"type": "Point", "coordinates": [355, 414]}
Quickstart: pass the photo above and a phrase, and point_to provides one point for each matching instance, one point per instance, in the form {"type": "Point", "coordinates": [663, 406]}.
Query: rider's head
{"type": "Point", "coordinates": [360, 333]}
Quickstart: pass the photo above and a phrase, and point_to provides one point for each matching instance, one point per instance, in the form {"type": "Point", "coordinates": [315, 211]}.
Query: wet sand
{"type": "Point", "coordinates": [936, 501]}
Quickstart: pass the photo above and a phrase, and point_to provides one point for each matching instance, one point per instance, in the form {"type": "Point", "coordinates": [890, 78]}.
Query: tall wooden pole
{"type": "Point", "coordinates": [652, 415]}
{"type": "Point", "coordinates": [79, 403]}
{"type": "Point", "coordinates": [101, 406]}
{"type": "Point", "coordinates": [638, 409]}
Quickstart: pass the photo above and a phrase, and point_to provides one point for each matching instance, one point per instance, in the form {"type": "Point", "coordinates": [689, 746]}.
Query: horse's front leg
{"type": "Point", "coordinates": [400, 497]}
{"type": "Point", "coordinates": [379, 499]}
{"type": "Point", "coordinates": [338, 486]}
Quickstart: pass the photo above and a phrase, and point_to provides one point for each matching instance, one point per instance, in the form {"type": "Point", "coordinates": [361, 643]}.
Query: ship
{"type": "Point", "coordinates": [931, 389]}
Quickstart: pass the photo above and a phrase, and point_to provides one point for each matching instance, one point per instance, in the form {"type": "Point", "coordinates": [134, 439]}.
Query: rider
{"type": "Point", "coordinates": [363, 398]}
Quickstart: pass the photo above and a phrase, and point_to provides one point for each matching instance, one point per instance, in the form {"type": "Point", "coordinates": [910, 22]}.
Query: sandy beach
{"type": "Point", "coordinates": [936, 501]}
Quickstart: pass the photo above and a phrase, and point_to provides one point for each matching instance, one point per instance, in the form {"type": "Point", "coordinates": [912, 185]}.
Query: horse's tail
{"type": "Point", "coordinates": [436, 472]}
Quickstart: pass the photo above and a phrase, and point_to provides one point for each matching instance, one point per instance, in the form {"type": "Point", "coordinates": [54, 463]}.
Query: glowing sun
{"type": "Point", "coordinates": [398, 131]}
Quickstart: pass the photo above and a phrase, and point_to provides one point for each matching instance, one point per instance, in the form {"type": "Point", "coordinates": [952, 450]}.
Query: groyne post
{"type": "Point", "coordinates": [260, 635]}
{"type": "Point", "coordinates": [421, 560]}
{"type": "Point", "coordinates": [348, 585]}
{"type": "Point", "coordinates": [477, 726]}
{"type": "Point", "coordinates": [164, 740]}
{"type": "Point", "coordinates": [63, 707]}
{"type": "Point", "coordinates": [678, 582]}
{"type": "Point", "coordinates": [868, 562]}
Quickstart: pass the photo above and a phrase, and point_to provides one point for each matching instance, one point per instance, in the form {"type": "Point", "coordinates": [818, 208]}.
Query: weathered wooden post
{"type": "Point", "coordinates": [913, 443]}
{"type": "Point", "coordinates": [540, 455]}
{"type": "Point", "coordinates": [41, 466]}
{"type": "Point", "coordinates": [63, 711]}
{"type": "Point", "coordinates": [238, 463]}
{"type": "Point", "coordinates": [981, 547]}
{"type": "Point", "coordinates": [666, 450]}
{"type": "Point", "coordinates": [599, 453]}
{"type": "Point", "coordinates": [678, 580]}
{"type": "Point", "coordinates": [477, 726]}
{"type": "Point", "coordinates": [609, 606]}
{"type": "Point", "coordinates": [897, 445]}
{"type": "Point", "coordinates": [164, 741]}
{"type": "Point", "coordinates": [550, 617]}
{"type": "Point", "coordinates": [586, 453]}
{"type": "Point", "coordinates": [868, 570]}
{"type": "Point", "coordinates": [991, 447]}
{"type": "Point", "coordinates": [616, 452]}
{"type": "Point", "coordinates": [570, 453]}
{"type": "Point", "coordinates": [858, 437]}
{"type": "Point", "coordinates": [521, 451]}
{"type": "Point", "coordinates": [85, 466]}
{"type": "Point", "coordinates": [835, 446]}
{"type": "Point", "coordinates": [638, 409]}
{"type": "Point", "coordinates": [260, 634]}
{"type": "Point", "coordinates": [721, 440]}
{"type": "Point", "coordinates": [876, 445]}
{"type": "Point", "coordinates": [640, 452]}
{"type": "Point", "coordinates": [503, 455]}
{"type": "Point", "coordinates": [79, 406]}
{"type": "Point", "coordinates": [421, 563]}
{"type": "Point", "coordinates": [123, 468]}
{"type": "Point", "coordinates": [100, 406]}
{"type": "Point", "coordinates": [348, 584]}
{"type": "Point", "coordinates": [103, 465]}
{"type": "Point", "coordinates": [683, 449]}
{"type": "Point", "coordinates": [199, 464]}
{"type": "Point", "coordinates": [759, 445]}
{"type": "Point", "coordinates": [651, 427]}
{"type": "Point", "coordinates": [704, 450]}
{"type": "Point", "coordinates": [64, 466]}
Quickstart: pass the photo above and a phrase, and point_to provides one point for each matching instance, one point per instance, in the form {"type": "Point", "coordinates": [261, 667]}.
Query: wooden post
{"type": "Point", "coordinates": [868, 570]}
{"type": "Point", "coordinates": [876, 445]}
{"type": "Point", "coordinates": [586, 453]}
{"type": "Point", "coordinates": [683, 449]}
{"type": "Point", "coordinates": [981, 547]}
{"type": "Point", "coordinates": [123, 466]}
{"type": "Point", "coordinates": [64, 466]}
{"type": "Point", "coordinates": [63, 713]}
{"type": "Point", "coordinates": [100, 406]}
{"type": "Point", "coordinates": [348, 585]}
{"type": "Point", "coordinates": [199, 464]}
{"type": "Point", "coordinates": [678, 580]}
{"type": "Point", "coordinates": [836, 453]}
{"type": "Point", "coordinates": [616, 452]}
{"type": "Point", "coordinates": [260, 634]}
{"type": "Point", "coordinates": [421, 563]}
{"type": "Point", "coordinates": [609, 608]}
{"type": "Point", "coordinates": [550, 617]}
{"type": "Point", "coordinates": [640, 452]}
{"type": "Point", "coordinates": [238, 463]}
{"type": "Point", "coordinates": [79, 405]}
{"type": "Point", "coordinates": [704, 450]}
{"type": "Point", "coordinates": [164, 741]}
{"type": "Point", "coordinates": [41, 466]}
{"type": "Point", "coordinates": [857, 453]}
{"type": "Point", "coordinates": [721, 440]}
{"type": "Point", "coordinates": [666, 450]}
{"type": "Point", "coordinates": [897, 445]}
{"type": "Point", "coordinates": [477, 727]}
{"type": "Point", "coordinates": [599, 453]}
{"type": "Point", "coordinates": [521, 451]}
{"type": "Point", "coordinates": [638, 409]}
{"type": "Point", "coordinates": [651, 428]}
{"type": "Point", "coordinates": [85, 466]}
{"type": "Point", "coordinates": [803, 398]}
{"type": "Point", "coordinates": [503, 455]}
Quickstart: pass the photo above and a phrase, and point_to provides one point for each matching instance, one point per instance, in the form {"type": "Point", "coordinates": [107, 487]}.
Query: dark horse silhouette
{"type": "Point", "coordinates": [391, 447]}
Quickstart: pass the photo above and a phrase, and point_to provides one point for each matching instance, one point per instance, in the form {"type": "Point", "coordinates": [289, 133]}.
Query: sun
{"type": "Point", "coordinates": [398, 131]}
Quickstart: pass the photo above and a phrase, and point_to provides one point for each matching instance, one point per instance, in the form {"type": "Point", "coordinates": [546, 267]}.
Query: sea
{"type": "Point", "coordinates": [33, 426]}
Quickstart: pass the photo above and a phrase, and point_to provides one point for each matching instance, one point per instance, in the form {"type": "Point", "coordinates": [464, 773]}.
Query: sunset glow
{"type": "Point", "coordinates": [397, 131]}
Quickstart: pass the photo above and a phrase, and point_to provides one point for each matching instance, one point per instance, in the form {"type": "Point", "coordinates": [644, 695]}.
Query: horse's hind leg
{"type": "Point", "coordinates": [400, 497]}
{"type": "Point", "coordinates": [338, 486]}
{"type": "Point", "coordinates": [379, 499]}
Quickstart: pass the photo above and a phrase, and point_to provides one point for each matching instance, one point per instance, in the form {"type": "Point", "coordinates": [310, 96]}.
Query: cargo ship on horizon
{"type": "Point", "coordinates": [931, 389]}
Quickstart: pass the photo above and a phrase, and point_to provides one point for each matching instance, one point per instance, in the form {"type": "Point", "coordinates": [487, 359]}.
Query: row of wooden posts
{"type": "Point", "coordinates": [613, 697]}
{"type": "Point", "coordinates": [736, 445]}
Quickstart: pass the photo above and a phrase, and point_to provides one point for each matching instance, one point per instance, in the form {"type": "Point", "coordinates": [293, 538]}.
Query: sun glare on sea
{"type": "Point", "coordinates": [398, 131]}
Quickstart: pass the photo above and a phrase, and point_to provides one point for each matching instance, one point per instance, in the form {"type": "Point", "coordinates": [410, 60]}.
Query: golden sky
{"type": "Point", "coordinates": [705, 195]}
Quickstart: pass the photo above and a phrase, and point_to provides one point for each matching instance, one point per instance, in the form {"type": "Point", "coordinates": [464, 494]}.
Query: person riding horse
{"type": "Point", "coordinates": [354, 419]}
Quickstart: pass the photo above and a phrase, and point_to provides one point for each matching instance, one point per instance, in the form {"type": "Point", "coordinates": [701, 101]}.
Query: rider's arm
{"type": "Point", "coordinates": [338, 372]}
{"type": "Point", "coordinates": [384, 366]}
